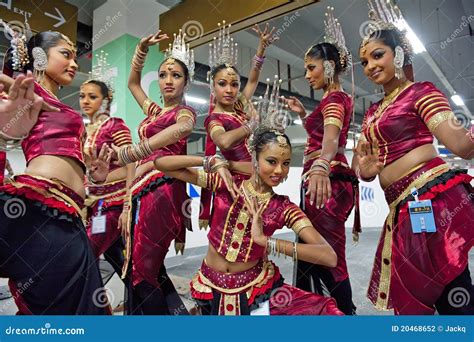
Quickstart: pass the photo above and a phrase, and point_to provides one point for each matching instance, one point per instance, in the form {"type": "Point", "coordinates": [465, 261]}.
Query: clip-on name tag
{"type": "Point", "coordinates": [99, 221]}
{"type": "Point", "coordinates": [421, 214]}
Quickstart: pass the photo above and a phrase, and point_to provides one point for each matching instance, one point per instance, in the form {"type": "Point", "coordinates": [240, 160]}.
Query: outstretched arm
{"type": "Point", "coordinates": [266, 38]}
{"type": "Point", "coordinates": [138, 62]}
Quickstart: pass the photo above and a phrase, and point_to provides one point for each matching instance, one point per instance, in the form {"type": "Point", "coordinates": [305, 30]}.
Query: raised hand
{"type": "Point", "coordinates": [266, 36]}
{"type": "Point", "coordinates": [295, 105]}
{"type": "Point", "coordinates": [99, 165]}
{"type": "Point", "coordinates": [152, 39]}
{"type": "Point", "coordinates": [256, 211]}
{"type": "Point", "coordinates": [226, 176]}
{"type": "Point", "coordinates": [368, 159]}
{"type": "Point", "coordinates": [19, 112]}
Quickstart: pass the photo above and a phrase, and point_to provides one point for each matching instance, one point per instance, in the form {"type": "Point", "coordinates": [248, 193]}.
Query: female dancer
{"type": "Point", "coordinates": [331, 187]}
{"type": "Point", "coordinates": [228, 124]}
{"type": "Point", "coordinates": [157, 215]}
{"type": "Point", "coordinates": [236, 277]}
{"type": "Point", "coordinates": [105, 199]}
{"type": "Point", "coordinates": [421, 264]}
{"type": "Point", "coordinates": [51, 252]}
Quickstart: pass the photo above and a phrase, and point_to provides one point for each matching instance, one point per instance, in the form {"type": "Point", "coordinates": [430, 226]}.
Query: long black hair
{"type": "Point", "coordinates": [326, 51]}
{"type": "Point", "coordinates": [45, 40]}
{"type": "Point", "coordinates": [264, 136]}
{"type": "Point", "coordinates": [392, 38]}
{"type": "Point", "coordinates": [185, 68]}
{"type": "Point", "coordinates": [105, 91]}
{"type": "Point", "coordinates": [220, 67]}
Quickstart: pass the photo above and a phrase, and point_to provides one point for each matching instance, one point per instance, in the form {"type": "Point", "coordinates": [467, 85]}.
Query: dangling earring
{"type": "Point", "coordinates": [40, 63]}
{"type": "Point", "coordinates": [104, 106]}
{"type": "Point", "coordinates": [162, 100]}
{"type": "Point", "coordinates": [398, 61]}
{"type": "Point", "coordinates": [328, 72]}
{"type": "Point", "coordinates": [257, 177]}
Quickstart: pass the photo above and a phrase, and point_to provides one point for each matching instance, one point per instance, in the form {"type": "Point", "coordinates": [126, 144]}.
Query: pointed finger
{"type": "Point", "coordinates": [15, 87]}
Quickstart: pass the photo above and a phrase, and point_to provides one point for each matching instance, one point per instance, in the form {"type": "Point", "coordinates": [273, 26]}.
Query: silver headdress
{"type": "Point", "coordinates": [223, 50]}
{"type": "Point", "coordinates": [180, 50]}
{"type": "Point", "coordinates": [101, 70]}
{"type": "Point", "coordinates": [334, 36]}
{"type": "Point", "coordinates": [384, 15]}
{"type": "Point", "coordinates": [272, 113]}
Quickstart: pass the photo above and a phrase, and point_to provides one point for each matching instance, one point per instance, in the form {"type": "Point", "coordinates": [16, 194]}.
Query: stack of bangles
{"type": "Point", "coordinates": [273, 248]}
{"type": "Point", "coordinates": [320, 167]}
{"type": "Point", "coordinates": [248, 127]}
{"type": "Point", "coordinates": [213, 163]}
{"type": "Point", "coordinates": [131, 153]}
{"type": "Point", "coordinates": [8, 142]}
{"type": "Point", "coordinates": [90, 178]}
{"type": "Point", "coordinates": [258, 62]}
{"type": "Point", "coordinates": [138, 60]}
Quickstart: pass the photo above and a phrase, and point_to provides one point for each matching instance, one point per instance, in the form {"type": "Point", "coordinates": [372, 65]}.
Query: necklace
{"type": "Point", "coordinates": [49, 92]}
{"type": "Point", "coordinates": [388, 99]}
{"type": "Point", "coordinates": [260, 196]}
{"type": "Point", "coordinates": [96, 118]}
{"type": "Point", "coordinates": [167, 109]}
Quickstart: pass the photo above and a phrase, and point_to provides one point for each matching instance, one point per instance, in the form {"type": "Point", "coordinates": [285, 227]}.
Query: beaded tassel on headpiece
{"type": "Point", "coordinates": [333, 35]}
{"type": "Point", "coordinates": [18, 46]}
{"type": "Point", "coordinates": [223, 50]}
{"type": "Point", "coordinates": [384, 15]}
{"type": "Point", "coordinates": [180, 50]}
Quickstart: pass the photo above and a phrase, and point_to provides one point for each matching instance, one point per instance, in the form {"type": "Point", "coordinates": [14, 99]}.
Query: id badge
{"type": "Point", "coordinates": [98, 224]}
{"type": "Point", "coordinates": [262, 310]}
{"type": "Point", "coordinates": [421, 216]}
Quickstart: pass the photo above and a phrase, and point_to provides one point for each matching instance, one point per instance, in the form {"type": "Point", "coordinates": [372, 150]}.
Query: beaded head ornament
{"type": "Point", "coordinates": [19, 50]}
{"type": "Point", "coordinates": [223, 50]}
{"type": "Point", "coordinates": [180, 50]}
{"type": "Point", "coordinates": [333, 35]}
{"type": "Point", "coordinates": [384, 15]}
{"type": "Point", "coordinates": [272, 115]}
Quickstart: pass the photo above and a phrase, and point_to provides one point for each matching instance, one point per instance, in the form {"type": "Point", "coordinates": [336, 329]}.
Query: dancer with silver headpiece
{"type": "Point", "coordinates": [330, 187]}
{"type": "Point", "coordinates": [421, 262]}
{"type": "Point", "coordinates": [156, 216]}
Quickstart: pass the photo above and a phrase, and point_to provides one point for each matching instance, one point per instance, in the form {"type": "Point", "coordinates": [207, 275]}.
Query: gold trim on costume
{"type": "Point", "coordinates": [237, 236]}
{"type": "Point", "coordinates": [144, 180]}
{"type": "Point", "coordinates": [146, 105]}
{"type": "Point", "coordinates": [385, 271]}
{"type": "Point", "coordinates": [438, 118]}
{"type": "Point", "coordinates": [216, 128]}
{"type": "Point", "coordinates": [185, 113]}
{"type": "Point", "coordinates": [49, 193]}
{"type": "Point", "coordinates": [91, 200]}
{"type": "Point", "coordinates": [301, 224]}
{"type": "Point", "coordinates": [259, 279]}
{"type": "Point", "coordinates": [202, 179]}
{"type": "Point", "coordinates": [333, 121]}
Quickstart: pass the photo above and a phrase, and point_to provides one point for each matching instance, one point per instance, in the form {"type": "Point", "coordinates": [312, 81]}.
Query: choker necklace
{"type": "Point", "coordinates": [261, 196]}
{"type": "Point", "coordinates": [388, 99]}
